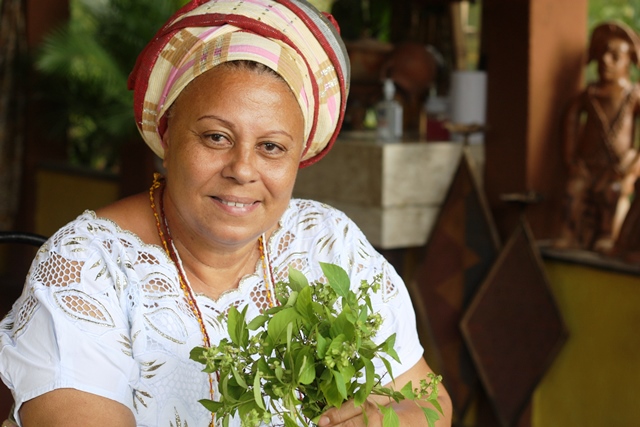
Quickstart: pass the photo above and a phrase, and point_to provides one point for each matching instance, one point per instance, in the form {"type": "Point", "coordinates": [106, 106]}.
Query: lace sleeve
{"type": "Point", "coordinates": [69, 327]}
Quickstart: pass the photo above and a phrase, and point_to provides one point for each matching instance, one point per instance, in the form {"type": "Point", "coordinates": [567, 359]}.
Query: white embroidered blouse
{"type": "Point", "coordinates": [102, 312]}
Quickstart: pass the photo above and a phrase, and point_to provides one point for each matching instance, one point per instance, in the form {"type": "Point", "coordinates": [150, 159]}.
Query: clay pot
{"type": "Point", "coordinates": [367, 57]}
{"type": "Point", "coordinates": [412, 67]}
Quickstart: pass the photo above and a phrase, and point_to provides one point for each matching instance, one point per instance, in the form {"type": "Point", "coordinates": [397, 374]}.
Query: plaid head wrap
{"type": "Point", "coordinates": [289, 36]}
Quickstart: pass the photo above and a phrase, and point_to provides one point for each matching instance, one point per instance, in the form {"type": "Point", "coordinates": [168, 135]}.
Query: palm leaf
{"type": "Point", "coordinates": [87, 62]}
{"type": "Point", "coordinates": [74, 55]}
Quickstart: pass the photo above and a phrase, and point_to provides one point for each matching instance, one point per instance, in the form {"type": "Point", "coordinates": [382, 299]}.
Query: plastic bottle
{"type": "Point", "coordinates": [389, 114]}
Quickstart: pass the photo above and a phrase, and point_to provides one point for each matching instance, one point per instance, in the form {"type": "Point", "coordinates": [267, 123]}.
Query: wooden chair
{"type": "Point", "coordinates": [22, 237]}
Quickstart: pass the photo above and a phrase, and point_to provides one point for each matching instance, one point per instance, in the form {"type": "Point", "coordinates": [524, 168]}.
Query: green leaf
{"type": "Point", "coordinates": [258, 322]}
{"type": "Point", "coordinates": [257, 391]}
{"type": "Point", "coordinates": [330, 391]}
{"type": "Point", "coordinates": [306, 370]}
{"type": "Point", "coordinates": [336, 343]}
{"type": "Point", "coordinates": [392, 352]}
{"type": "Point", "coordinates": [263, 366]}
{"type": "Point", "coordinates": [297, 280]}
{"type": "Point", "coordinates": [342, 326]}
{"type": "Point", "coordinates": [279, 373]}
{"type": "Point", "coordinates": [387, 347]}
{"type": "Point", "coordinates": [388, 366]}
{"type": "Point", "coordinates": [198, 354]}
{"type": "Point", "coordinates": [279, 323]}
{"type": "Point", "coordinates": [360, 396]}
{"type": "Point", "coordinates": [342, 389]}
{"type": "Point", "coordinates": [239, 378]}
{"type": "Point", "coordinates": [389, 416]}
{"type": "Point", "coordinates": [436, 404]}
{"type": "Point", "coordinates": [321, 345]}
{"type": "Point", "coordinates": [293, 297]}
{"type": "Point", "coordinates": [246, 407]}
{"type": "Point", "coordinates": [289, 335]}
{"type": "Point", "coordinates": [364, 313]}
{"type": "Point", "coordinates": [237, 327]}
{"type": "Point", "coordinates": [337, 277]}
{"type": "Point", "coordinates": [431, 415]}
{"type": "Point", "coordinates": [369, 374]}
{"type": "Point", "coordinates": [347, 372]}
{"type": "Point", "coordinates": [211, 405]}
{"type": "Point", "coordinates": [304, 304]}
{"type": "Point", "coordinates": [407, 391]}
{"type": "Point", "coordinates": [288, 421]}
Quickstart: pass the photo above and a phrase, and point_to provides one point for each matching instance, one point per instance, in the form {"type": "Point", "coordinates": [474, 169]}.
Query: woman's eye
{"type": "Point", "coordinates": [215, 138]}
{"type": "Point", "coordinates": [272, 148]}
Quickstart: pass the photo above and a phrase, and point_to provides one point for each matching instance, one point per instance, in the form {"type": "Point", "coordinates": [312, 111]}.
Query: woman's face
{"type": "Point", "coordinates": [233, 144]}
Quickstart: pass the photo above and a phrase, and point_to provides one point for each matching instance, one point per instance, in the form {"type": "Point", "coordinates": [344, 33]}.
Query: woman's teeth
{"type": "Point", "coordinates": [234, 204]}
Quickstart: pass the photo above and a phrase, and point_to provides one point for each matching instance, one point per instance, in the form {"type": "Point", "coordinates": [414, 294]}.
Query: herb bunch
{"type": "Point", "coordinates": [313, 351]}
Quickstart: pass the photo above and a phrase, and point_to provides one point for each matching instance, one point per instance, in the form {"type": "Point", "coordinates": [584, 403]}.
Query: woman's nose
{"type": "Point", "coordinates": [241, 165]}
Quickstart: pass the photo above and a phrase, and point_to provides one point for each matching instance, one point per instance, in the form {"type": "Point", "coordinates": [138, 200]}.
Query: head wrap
{"type": "Point", "coordinates": [289, 36]}
{"type": "Point", "coordinates": [609, 30]}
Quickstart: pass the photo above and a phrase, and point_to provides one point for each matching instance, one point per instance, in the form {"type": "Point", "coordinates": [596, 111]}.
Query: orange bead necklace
{"type": "Point", "coordinates": [167, 242]}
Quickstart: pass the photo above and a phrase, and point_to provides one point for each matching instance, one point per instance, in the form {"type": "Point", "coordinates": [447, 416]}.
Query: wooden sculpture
{"type": "Point", "coordinates": [599, 143]}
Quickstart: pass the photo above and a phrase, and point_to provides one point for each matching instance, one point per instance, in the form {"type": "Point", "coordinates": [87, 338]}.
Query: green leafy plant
{"type": "Point", "coordinates": [363, 19]}
{"type": "Point", "coordinates": [84, 66]}
{"type": "Point", "coordinates": [313, 351]}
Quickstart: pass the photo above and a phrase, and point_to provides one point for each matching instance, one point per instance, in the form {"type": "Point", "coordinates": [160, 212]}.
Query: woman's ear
{"type": "Point", "coordinates": [165, 147]}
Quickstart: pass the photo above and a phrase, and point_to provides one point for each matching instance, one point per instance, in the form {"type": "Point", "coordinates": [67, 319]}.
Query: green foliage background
{"type": "Point", "coordinates": [627, 11]}
{"type": "Point", "coordinates": [85, 65]}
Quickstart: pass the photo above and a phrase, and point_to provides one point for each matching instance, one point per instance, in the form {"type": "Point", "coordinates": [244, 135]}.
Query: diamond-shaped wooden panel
{"type": "Point", "coordinates": [460, 252]}
{"type": "Point", "coordinates": [513, 326]}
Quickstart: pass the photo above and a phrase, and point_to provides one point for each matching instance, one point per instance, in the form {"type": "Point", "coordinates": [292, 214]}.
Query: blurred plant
{"type": "Point", "coordinates": [627, 11]}
{"type": "Point", "coordinates": [323, 5]}
{"type": "Point", "coordinates": [363, 18]}
{"type": "Point", "coordinates": [85, 65]}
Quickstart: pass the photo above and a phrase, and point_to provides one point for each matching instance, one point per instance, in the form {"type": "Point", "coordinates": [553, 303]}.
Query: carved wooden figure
{"type": "Point", "coordinates": [599, 143]}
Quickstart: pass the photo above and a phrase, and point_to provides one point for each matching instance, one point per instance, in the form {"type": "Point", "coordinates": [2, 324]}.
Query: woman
{"type": "Point", "coordinates": [234, 97]}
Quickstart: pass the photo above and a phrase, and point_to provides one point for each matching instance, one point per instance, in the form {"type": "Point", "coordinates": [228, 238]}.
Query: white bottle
{"type": "Point", "coordinates": [389, 114]}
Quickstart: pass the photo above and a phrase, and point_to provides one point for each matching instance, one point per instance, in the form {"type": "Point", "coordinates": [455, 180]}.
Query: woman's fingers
{"type": "Point", "coordinates": [351, 416]}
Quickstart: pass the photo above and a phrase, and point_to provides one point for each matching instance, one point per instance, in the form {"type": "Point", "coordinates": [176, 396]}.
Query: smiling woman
{"type": "Point", "coordinates": [235, 140]}
{"type": "Point", "coordinates": [234, 97]}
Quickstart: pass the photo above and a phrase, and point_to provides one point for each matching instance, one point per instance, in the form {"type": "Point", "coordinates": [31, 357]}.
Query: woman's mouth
{"type": "Point", "coordinates": [237, 205]}
{"type": "Point", "coordinates": [233, 204]}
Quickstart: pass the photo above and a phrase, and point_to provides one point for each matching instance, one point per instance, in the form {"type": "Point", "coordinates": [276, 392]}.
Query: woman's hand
{"type": "Point", "coordinates": [409, 413]}
{"type": "Point", "coordinates": [352, 416]}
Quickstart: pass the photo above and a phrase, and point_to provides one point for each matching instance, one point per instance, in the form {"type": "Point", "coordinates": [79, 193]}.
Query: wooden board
{"type": "Point", "coordinates": [460, 252]}
{"type": "Point", "coordinates": [513, 327]}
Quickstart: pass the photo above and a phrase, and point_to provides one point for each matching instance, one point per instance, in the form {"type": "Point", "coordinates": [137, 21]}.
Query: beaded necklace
{"type": "Point", "coordinates": [167, 242]}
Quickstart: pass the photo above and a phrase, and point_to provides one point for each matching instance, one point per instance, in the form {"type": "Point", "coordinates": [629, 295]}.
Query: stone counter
{"type": "Point", "coordinates": [393, 191]}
